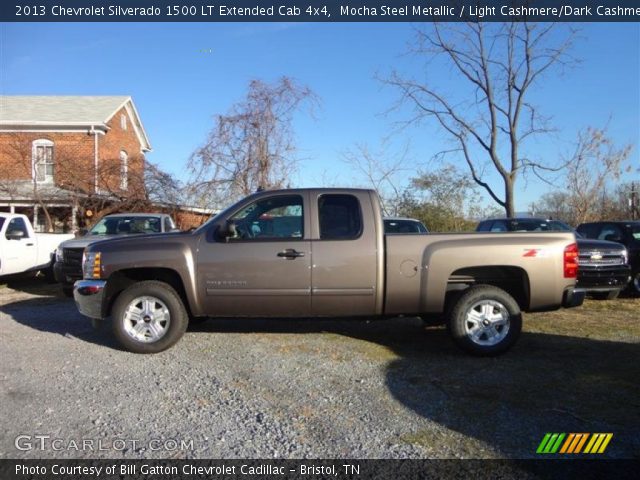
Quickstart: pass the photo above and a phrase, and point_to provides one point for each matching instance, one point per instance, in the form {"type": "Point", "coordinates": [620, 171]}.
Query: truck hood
{"type": "Point", "coordinates": [123, 241]}
{"type": "Point", "coordinates": [589, 244]}
{"type": "Point", "coordinates": [86, 240]}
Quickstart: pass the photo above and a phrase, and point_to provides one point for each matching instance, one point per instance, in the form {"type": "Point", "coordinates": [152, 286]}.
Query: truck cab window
{"type": "Point", "coordinates": [340, 217]}
{"type": "Point", "coordinates": [270, 218]}
{"type": "Point", "coordinates": [17, 225]}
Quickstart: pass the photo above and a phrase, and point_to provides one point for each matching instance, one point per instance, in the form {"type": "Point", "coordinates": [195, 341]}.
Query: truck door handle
{"type": "Point", "coordinates": [29, 244]}
{"type": "Point", "coordinates": [290, 254]}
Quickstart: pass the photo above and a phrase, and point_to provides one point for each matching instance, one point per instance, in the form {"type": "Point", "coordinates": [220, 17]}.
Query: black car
{"type": "Point", "coordinates": [403, 225]}
{"type": "Point", "coordinates": [603, 268]}
{"type": "Point", "coordinates": [627, 233]}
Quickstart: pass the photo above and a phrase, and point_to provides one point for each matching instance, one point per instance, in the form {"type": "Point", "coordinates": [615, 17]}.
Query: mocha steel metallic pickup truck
{"type": "Point", "coordinates": [323, 253]}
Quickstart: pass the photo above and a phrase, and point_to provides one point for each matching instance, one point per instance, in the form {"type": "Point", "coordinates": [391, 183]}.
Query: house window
{"type": "Point", "coordinates": [123, 121]}
{"type": "Point", "coordinates": [42, 158]}
{"type": "Point", "coordinates": [124, 170]}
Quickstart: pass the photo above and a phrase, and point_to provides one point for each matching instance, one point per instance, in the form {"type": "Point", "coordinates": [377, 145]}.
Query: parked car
{"type": "Point", "coordinates": [334, 261]}
{"type": "Point", "coordinates": [403, 225]}
{"type": "Point", "coordinates": [68, 262]}
{"type": "Point", "coordinates": [21, 249]}
{"type": "Point", "coordinates": [626, 233]}
{"type": "Point", "coordinates": [603, 269]}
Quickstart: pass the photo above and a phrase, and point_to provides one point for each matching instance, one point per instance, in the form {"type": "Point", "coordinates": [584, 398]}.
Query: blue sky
{"type": "Point", "coordinates": [180, 75]}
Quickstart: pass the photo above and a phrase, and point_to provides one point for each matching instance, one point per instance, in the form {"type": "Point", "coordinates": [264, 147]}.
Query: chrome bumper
{"type": "Point", "coordinates": [88, 295]}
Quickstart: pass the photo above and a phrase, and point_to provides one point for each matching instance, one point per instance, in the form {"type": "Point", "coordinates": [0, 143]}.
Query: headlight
{"type": "Point", "coordinates": [59, 255]}
{"type": "Point", "coordinates": [625, 256]}
{"type": "Point", "coordinates": [91, 266]}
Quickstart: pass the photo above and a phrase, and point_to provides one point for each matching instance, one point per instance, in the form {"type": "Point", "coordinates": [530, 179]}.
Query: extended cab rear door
{"type": "Point", "coordinates": [346, 248]}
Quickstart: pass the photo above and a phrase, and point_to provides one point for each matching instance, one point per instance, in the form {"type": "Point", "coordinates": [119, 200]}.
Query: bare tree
{"type": "Point", "coordinates": [253, 145]}
{"type": "Point", "coordinates": [595, 164]}
{"type": "Point", "coordinates": [445, 200]}
{"type": "Point", "coordinates": [74, 180]}
{"type": "Point", "coordinates": [490, 121]}
{"type": "Point", "coordinates": [554, 205]}
{"type": "Point", "coordinates": [381, 171]}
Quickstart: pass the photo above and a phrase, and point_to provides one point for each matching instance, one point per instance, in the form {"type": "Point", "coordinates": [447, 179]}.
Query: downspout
{"type": "Point", "coordinates": [95, 158]}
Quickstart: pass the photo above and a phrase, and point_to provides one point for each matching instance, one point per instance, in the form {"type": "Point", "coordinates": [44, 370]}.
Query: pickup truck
{"type": "Point", "coordinates": [21, 249]}
{"type": "Point", "coordinates": [626, 233]}
{"type": "Point", "coordinates": [68, 263]}
{"type": "Point", "coordinates": [603, 268]}
{"type": "Point", "coordinates": [323, 253]}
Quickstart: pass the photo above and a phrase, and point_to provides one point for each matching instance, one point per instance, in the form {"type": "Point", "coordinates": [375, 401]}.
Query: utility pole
{"type": "Point", "coordinates": [633, 203]}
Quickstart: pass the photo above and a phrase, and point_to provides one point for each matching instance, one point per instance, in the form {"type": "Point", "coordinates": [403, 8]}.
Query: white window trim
{"type": "Point", "coordinates": [41, 142]}
{"type": "Point", "coordinates": [123, 121]}
{"type": "Point", "coordinates": [124, 170]}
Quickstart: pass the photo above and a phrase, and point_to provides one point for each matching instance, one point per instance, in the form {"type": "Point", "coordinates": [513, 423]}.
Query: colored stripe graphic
{"type": "Point", "coordinates": [567, 443]}
{"type": "Point", "coordinates": [580, 443]}
{"type": "Point", "coordinates": [556, 443]}
{"type": "Point", "coordinates": [543, 443]}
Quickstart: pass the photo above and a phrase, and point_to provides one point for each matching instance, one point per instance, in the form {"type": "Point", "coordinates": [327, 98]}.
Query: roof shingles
{"type": "Point", "coordinates": [58, 109]}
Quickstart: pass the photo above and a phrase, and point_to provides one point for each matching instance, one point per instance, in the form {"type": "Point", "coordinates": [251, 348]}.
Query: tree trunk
{"type": "Point", "coordinates": [508, 198]}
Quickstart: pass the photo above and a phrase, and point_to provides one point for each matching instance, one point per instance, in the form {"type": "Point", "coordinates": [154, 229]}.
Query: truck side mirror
{"type": "Point", "coordinates": [227, 231]}
{"type": "Point", "coordinates": [14, 235]}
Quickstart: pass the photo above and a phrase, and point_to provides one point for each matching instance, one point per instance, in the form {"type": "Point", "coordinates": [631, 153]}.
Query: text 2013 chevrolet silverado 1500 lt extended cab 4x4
{"type": "Point", "coordinates": [324, 253]}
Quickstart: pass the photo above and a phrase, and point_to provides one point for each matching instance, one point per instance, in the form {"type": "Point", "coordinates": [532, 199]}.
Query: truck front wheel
{"type": "Point", "coordinates": [149, 317]}
{"type": "Point", "coordinates": [485, 320]}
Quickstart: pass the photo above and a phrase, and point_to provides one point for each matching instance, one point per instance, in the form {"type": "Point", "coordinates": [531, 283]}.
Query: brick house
{"type": "Point", "coordinates": [57, 152]}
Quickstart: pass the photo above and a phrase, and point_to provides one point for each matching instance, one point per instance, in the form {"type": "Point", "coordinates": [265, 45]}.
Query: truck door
{"type": "Point", "coordinates": [18, 254]}
{"type": "Point", "coordinates": [345, 260]}
{"type": "Point", "coordinates": [265, 269]}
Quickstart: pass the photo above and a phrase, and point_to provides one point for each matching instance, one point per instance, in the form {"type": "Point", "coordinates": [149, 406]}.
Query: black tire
{"type": "Point", "coordinates": [67, 291]}
{"type": "Point", "coordinates": [611, 295]}
{"type": "Point", "coordinates": [165, 300]}
{"type": "Point", "coordinates": [634, 284]}
{"type": "Point", "coordinates": [488, 338]}
{"type": "Point", "coordinates": [48, 275]}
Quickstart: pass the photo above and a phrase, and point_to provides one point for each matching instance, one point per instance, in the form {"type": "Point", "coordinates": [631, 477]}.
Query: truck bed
{"type": "Point", "coordinates": [421, 268]}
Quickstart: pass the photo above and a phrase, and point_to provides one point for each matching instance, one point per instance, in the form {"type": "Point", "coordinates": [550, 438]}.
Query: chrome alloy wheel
{"type": "Point", "coordinates": [487, 322]}
{"type": "Point", "coordinates": [146, 319]}
{"type": "Point", "coordinates": [636, 282]}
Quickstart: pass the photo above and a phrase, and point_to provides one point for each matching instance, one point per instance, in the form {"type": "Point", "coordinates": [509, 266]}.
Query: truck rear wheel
{"type": "Point", "coordinates": [149, 317]}
{"type": "Point", "coordinates": [485, 320]}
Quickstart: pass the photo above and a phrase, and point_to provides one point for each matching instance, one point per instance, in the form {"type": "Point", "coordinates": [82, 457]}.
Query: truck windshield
{"type": "Point", "coordinates": [403, 226]}
{"type": "Point", "coordinates": [533, 225]}
{"type": "Point", "coordinates": [126, 225]}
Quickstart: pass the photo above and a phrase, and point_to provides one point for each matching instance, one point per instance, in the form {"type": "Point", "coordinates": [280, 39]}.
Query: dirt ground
{"type": "Point", "coordinates": [310, 388]}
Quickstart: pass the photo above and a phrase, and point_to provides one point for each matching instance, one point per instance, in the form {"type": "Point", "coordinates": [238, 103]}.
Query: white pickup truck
{"type": "Point", "coordinates": [23, 250]}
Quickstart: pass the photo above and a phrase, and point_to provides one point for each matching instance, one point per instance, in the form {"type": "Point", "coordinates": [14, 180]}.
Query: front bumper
{"type": "Point", "coordinates": [573, 297]}
{"type": "Point", "coordinates": [603, 279]}
{"type": "Point", "coordinates": [66, 274]}
{"type": "Point", "coordinates": [88, 295]}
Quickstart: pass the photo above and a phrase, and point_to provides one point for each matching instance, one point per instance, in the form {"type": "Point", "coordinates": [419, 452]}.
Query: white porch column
{"type": "Point", "coordinates": [74, 218]}
{"type": "Point", "coordinates": [35, 218]}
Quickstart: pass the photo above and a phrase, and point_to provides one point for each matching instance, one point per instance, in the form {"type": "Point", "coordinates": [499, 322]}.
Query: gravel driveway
{"type": "Point", "coordinates": [277, 388]}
